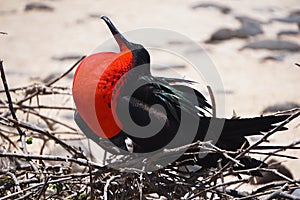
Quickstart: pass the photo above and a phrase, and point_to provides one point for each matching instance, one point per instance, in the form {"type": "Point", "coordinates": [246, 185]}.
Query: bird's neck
{"type": "Point", "coordinates": [110, 86]}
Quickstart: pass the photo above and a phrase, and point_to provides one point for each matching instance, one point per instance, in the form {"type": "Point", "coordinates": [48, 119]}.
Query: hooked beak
{"type": "Point", "coordinates": [122, 42]}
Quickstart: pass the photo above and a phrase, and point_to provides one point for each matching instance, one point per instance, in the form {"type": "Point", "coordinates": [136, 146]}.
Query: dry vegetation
{"type": "Point", "coordinates": [24, 175]}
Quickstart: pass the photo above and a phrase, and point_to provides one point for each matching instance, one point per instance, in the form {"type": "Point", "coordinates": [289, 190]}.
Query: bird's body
{"type": "Point", "coordinates": [102, 91]}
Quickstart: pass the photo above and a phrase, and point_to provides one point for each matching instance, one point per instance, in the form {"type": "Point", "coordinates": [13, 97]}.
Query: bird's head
{"type": "Point", "coordinates": [140, 54]}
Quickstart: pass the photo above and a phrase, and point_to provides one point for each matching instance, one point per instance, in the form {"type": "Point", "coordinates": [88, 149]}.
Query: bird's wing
{"type": "Point", "coordinates": [203, 106]}
{"type": "Point", "coordinates": [177, 95]}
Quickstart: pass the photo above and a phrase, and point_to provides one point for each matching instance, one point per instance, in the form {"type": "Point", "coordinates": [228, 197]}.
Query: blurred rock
{"type": "Point", "coordinates": [249, 27]}
{"type": "Point", "coordinates": [245, 19]}
{"type": "Point", "coordinates": [288, 32]}
{"type": "Point", "coordinates": [293, 17]}
{"type": "Point", "coordinates": [276, 57]}
{"type": "Point", "coordinates": [50, 77]}
{"type": "Point", "coordinates": [178, 42]}
{"type": "Point", "coordinates": [38, 6]}
{"type": "Point", "coordinates": [263, 9]}
{"type": "Point", "coordinates": [67, 57]}
{"type": "Point", "coordinates": [268, 177]}
{"type": "Point", "coordinates": [274, 45]}
{"type": "Point", "coordinates": [280, 107]}
{"type": "Point", "coordinates": [222, 34]}
{"type": "Point", "coordinates": [222, 8]}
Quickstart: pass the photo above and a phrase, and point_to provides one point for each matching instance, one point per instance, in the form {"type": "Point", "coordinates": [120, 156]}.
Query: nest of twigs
{"type": "Point", "coordinates": [32, 119]}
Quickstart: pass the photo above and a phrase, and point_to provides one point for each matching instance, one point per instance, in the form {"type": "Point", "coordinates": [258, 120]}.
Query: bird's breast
{"type": "Point", "coordinates": [95, 92]}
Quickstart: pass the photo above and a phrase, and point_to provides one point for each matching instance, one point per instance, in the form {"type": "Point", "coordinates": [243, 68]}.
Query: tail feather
{"type": "Point", "coordinates": [251, 126]}
{"type": "Point", "coordinates": [235, 130]}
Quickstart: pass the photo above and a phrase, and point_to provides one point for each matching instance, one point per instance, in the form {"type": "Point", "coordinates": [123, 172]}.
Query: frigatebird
{"type": "Point", "coordinates": [102, 92]}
